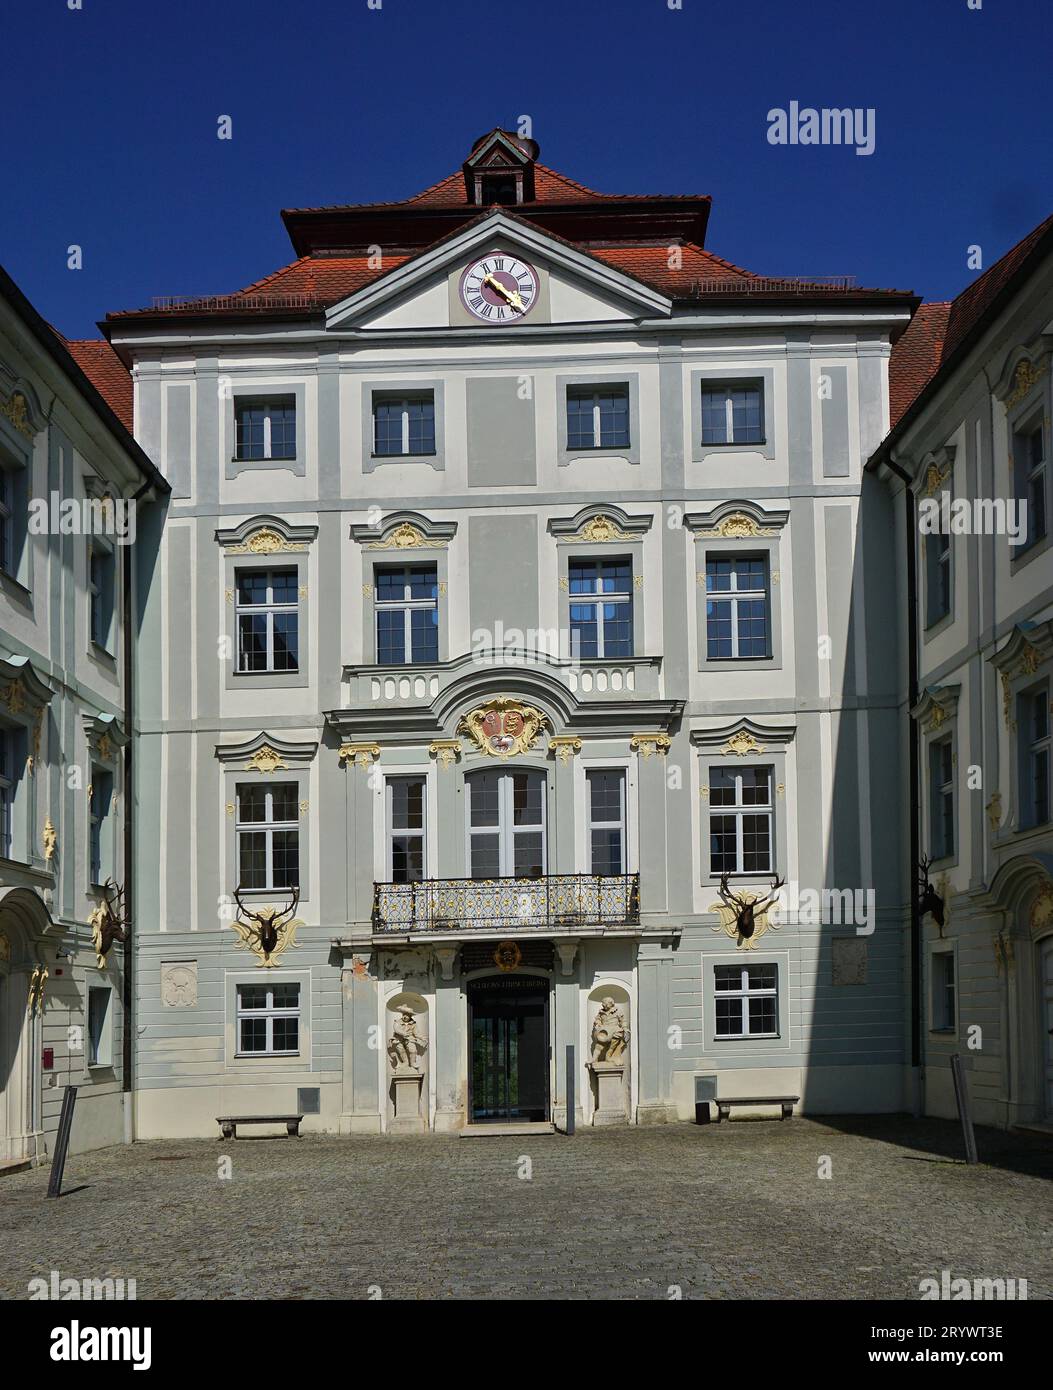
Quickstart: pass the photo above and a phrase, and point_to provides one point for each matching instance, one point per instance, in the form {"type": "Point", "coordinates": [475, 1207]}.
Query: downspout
{"type": "Point", "coordinates": [911, 521]}
{"type": "Point", "coordinates": [127, 610]}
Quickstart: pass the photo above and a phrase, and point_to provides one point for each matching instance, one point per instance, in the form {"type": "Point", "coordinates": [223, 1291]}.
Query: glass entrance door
{"type": "Point", "coordinates": [508, 1023]}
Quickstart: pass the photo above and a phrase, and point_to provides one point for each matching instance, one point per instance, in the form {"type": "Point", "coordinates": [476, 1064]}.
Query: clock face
{"type": "Point", "coordinates": [499, 288]}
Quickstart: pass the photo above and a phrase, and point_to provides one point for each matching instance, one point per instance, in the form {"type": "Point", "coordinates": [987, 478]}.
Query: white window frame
{"type": "Point", "coordinates": [100, 1050]}
{"type": "Point", "coordinates": [506, 829]}
{"type": "Point", "coordinates": [269, 1013]}
{"type": "Point", "coordinates": [735, 596]}
{"type": "Point", "coordinates": [7, 522]}
{"type": "Point", "coordinates": [100, 826]}
{"type": "Point", "coordinates": [598, 394]}
{"type": "Point", "coordinates": [739, 810]}
{"type": "Point", "coordinates": [267, 404]}
{"type": "Point", "coordinates": [268, 827]}
{"type": "Point", "coordinates": [745, 992]}
{"type": "Point", "coordinates": [597, 598]}
{"type": "Point", "coordinates": [621, 824]}
{"type": "Point", "coordinates": [406, 605]}
{"type": "Point", "coordinates": [390, 830]}
{"type": "Point", "coordinates": [404, 403]}
{"type": "Point", "coordinates": [269, 609]}
{"type": "Point", "coordinates": [728, 389]}
{"type": "Point", "coordinates": [102, 593]}
{"type": "Point", "coordinates": [1037, 698]}
{"type": "Point", "coordinates": [1027, 474]}
{"type": "Point", "coordinates": [7, 792]}
{"type": "Point", "coordinates": [939, 792]}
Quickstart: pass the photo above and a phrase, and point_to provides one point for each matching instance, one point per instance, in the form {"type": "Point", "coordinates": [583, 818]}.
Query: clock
{"type": "Point", "coordinates": [499, 288]}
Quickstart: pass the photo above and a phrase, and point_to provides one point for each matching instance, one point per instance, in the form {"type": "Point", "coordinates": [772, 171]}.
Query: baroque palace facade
{"type": "Point", "coordinates": [522, 615]}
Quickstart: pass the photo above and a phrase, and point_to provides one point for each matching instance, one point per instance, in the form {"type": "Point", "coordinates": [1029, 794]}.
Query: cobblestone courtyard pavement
{"type": "Point", "coordinates": [729, 1211]}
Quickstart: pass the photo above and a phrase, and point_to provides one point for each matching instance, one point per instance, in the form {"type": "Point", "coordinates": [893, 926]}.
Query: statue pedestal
{"type": "Point", "coordinates": [610, 1093]}
{"type": "Point", "coordinates": [407, 1118]}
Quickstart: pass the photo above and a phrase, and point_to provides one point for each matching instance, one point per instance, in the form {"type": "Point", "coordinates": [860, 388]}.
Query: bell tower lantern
{"type": "Point", "coordinates": [500, 169]}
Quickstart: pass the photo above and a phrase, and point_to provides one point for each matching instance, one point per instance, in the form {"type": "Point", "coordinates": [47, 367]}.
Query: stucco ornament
{"type": "Point", "coordinates": [503, 727]}
{"type": "Point", "coordinates": [1025, 378]}
{"type": "Point", "coordinates": [267, 932]}
{"type": "Point", "coordinates": [739, 526]}
{"type": "Point", "coordinates": [15, 410]}
{"type": "Point", "coordinates": [507, 955]}
{"type": "Point", "coordinates": [50, 838]}
{"type": "Point", "coordinates": [600, 530]}
{"type": "Point", "coordinates": [265, 541]}
{"type": "Point", "coordinates": [5, 947]}
{"type": "Point", "coordinates": [406, 1046]}
{"type": "Point", "coordinates": [37, 984]}
{"type": "Point", "coordinates": [742, 743]}
{"type": "Point", "coordinates": [404, 537]}
{"type": "Point", "coordinates": [610, 1033]}
{"type": "Point", "coordinates": [1042, 909]}
{"type": "Point", "coordinates": [109, 922]}
{"type": "Point", "coordinates": [265, 760]}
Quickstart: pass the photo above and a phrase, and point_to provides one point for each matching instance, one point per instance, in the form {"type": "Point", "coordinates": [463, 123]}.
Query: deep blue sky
{"type": "Point", "coordinates": [109, 127]}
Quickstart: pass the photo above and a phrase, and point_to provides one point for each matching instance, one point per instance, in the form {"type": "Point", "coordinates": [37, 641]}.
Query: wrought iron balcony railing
{"type": "Point", "coordinates": [552, 902]}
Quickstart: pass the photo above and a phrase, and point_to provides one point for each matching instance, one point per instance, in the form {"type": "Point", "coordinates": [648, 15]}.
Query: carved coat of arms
{"type": "Point", "coordinates": [503, 727]}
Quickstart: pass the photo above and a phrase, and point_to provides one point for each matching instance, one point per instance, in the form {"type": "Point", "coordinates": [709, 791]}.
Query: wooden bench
{"type": "Point", "coordinates": [229, 1123]}
{"type": "Point", "coordinates": [725, 1103]}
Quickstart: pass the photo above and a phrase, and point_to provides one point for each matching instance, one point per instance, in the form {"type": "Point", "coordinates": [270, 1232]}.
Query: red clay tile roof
{"type": "Point", "coordinates": [916, 356]}
{"type": "Point", "coordinates": [940, 331]}
{"type": "Point", "coordinates": [107, 373]}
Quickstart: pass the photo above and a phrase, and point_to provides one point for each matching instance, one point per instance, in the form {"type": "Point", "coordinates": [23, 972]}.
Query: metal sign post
{"type": "Point", "coordinates": [570, 1088]}
{"type": "Point", "coordinates": [65, 1124]}
{"type": "Point", "coordinates": [961, 1095]}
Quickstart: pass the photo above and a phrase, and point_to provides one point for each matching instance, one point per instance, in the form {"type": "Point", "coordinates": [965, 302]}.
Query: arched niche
{"type": "Point", "coordinates": [609, 1039]}
{"type": "Point", "coordinates": [407, 1061]}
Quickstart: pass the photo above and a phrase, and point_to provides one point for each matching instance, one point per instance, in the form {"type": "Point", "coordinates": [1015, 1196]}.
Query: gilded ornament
{"type": "Point", "coordinates": [600, 530]}
{"type": "Point", "coordinates": [994, 811]}
{"type": "Point", "coordinates": [406, 537]}
{"type": "Point", "coordinates": [37, 984]}
{"type": "Point", "coordinates": [266, 760]}
{"type": "Point", "coordinates": [50, 839]}
{"type": "Point", "coordinates": [15, 697]}
{"type": "Point", "coordinates": [729, 921]}
{"type": "Point", "coordinates": [1030, 659]}
{"type": "Point", "coordinates": [646, 744]}
{"type": "Point", "coordinates": [935, 478]}
{"type": "Point", "coordinates": [265, 541]}
{"type": "Point", "coordinates": [105, 748]}
{"type": "Point", "coordinates": [15, 410]}
{"type": "Point", "coordinates": [508, 956]}
{"type": "Point", "coordinates": [1042, 908]}
{"type": "Point", "coordinates": [739, 526]}
{"type": "Point", "coordinates": [742, 743]}
{"type": "Point", "coordinates": [359, 754]}
{"type": "Point", "coordinates": [1025, 378]}
{"type": "Point", "coordinates": [445, 751]}
{"type": "Point", "coordinates": [564, 746]}
{"type": "Point", "coordinates": [503, 727]}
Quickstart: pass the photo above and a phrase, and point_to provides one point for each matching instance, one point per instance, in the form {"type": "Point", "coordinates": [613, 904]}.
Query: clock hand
{"type": "Point", "coordinates": [511, 296]}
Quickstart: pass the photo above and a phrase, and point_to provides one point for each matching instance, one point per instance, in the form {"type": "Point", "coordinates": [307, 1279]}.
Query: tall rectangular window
{"type": "Point", "coordinates": [941, 798]}
{"type": "Point", "coordinates": [746, 1001]}
{"type": "Point", "coordinates": [937, 576]}
{"type": "Point", "coordinates": [943, 991]}
{"type": "Point", "coordinates": [740, 820]}
{"type": "Point", "coordinates": [601, 608]}
{"type": "Point", "coordinates": [404, 424]}
{"type": "Point", "coordinates": [267, 826]}
{"type": "Point", "coordinates": [268, 1019]}
{"type": "Point", "coordinates": [265, 429]}
{"type": "Point", "coordinates": [1034, 725]}
{"type": "Point", "coordinates": [407, 606]}
{"type": "Point", "coordinates": [405, 813]}
{"type": "Point", "coordinates": [733, 413]}
{"type": "Point", "coordinates": [102, 572]}
{"type": "Point", "coordinates": [100, 806]}
{"type": "Point", "coordinates": [1029, 467]}
{"type": "Point", "coordinates": [606, 804]}
{"type": "Point", "coordinates": [268, 620]}
{"type": "Point", "coordinates": [7, 522]}
{"type": "Point", "coordinates": [506, 824]}
{"type": "Point", "coordinates": [598, 417]}
{"type": "Point", "coordinates": [99, 1027]}
{"type": "Point", "coordinates": [7, 791]}
{"type": "Point", "coordinates": [737, 607]}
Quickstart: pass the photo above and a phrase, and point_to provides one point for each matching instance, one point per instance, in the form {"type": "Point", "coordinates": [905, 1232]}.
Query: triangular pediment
{"type": "Point", "coordinates": [415, 295]}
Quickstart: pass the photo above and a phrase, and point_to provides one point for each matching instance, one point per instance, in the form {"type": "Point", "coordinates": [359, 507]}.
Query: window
{"type": "Point", "coordinates": [733, 414]}
{"type": "Point", "coordinates": [268, 1019]}
{"type": "Point", "coordinates": [937, 576]}
{"type": "Point", "coordinates": [499, 188]}
{"type": "Point", "coordinates": [740, 820]}
{"type": "Point", "coordinates": [100, 1033]}
{"type": "Point", "coordinates": [404, 425]}
{"type": "Point", "coordinates": [265, 429]}
{"type": "Point", "coordinates": [407, 602]}
{"type": "Point", "coordinates": [7, 791]}
{"type": "Point", "coordinates": [943, 992]}
{"type": "Point", "coordinates": [100, 804]}
{"type": "Point", "coordinates": [267, 620]}
{"type": "Point", "coordinates": [7, 523]}
{"type": "Point", "coordinates": [1029, 457]}
{"type": "Point", "coordinates": [737, 607]}
{"type": "Point", "coordinates": [1034, 726]}
{"type": "Point", "coordinates": [606, 804]}
{"type": "Point", "coordinates": [941, 798]}
{"type": "Point", "coordinates": [267, 826]}
{"type": "Point", "coordinates": [101, 586]}
{"type": "Point", "coordinates": [604, 626]}
{"type": "Point", "coordinates": [598, 418]}
{"type": "Point", "coordinates": [405, 812]}
{"type": "Point", "coordinates": [506, 824]}
{"type": "Point", "coordinates": [746, 1001]}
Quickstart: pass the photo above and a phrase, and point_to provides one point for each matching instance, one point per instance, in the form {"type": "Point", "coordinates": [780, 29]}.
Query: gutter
{"type": "Point", "coordinates": [914, 742]}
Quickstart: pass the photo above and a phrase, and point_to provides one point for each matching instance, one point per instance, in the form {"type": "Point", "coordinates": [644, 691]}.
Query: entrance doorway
{"type": "Point", "coordinates": [509, 1051]}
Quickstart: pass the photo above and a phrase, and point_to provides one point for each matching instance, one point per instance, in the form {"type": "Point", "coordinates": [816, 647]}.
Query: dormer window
{"type": "Point", "coordinates": [500, 188]}
{"type": "Point", "coordinates": [499, 171]}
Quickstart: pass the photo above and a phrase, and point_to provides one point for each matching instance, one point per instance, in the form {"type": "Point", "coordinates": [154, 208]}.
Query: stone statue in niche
{"type": "Point", "coordinates": [610, 1034]}
{"type": "Point", "coordinates": [406, 1047]}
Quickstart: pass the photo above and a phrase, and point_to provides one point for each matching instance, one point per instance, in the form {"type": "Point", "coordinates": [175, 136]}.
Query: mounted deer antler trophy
{"type": "Point", "coordinates": [269, 931]}
{"type": "Point", "coordinates": [746, 913]}
{"type": "Point", "coordinates": [929, 900]}
{"type": "Point", "coordinates": [109, 922]}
